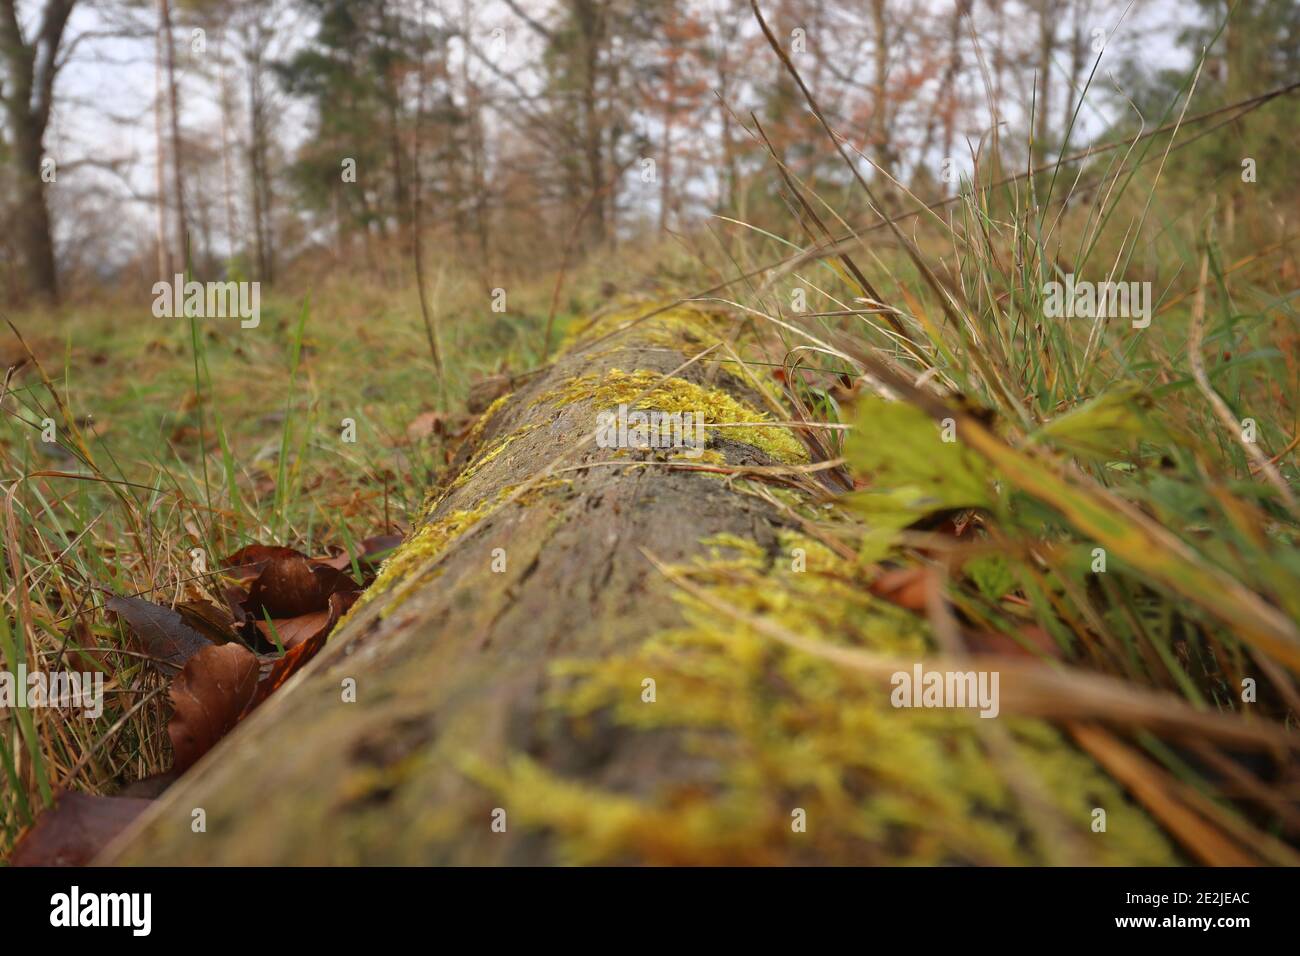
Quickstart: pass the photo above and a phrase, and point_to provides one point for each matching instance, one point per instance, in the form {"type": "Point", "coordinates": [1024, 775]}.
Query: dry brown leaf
{"type": "Point", "coordinates": [215, 623]}
{"type": "Point", "coordinates": [293, 586]}
{"type": "Point", "coordinates": [293, 631]}
{"type": "Point", "coordinates": [284, 667]}
{"type": "Point", "coordinates": [248, 562]}
{"type": "Point", "coordinates": [209, 696]}
{"type": "Point", "coordinates": [426, 424]}
{"type": "Point", "coordinates": [163, 633]}
{"type": "Point", "coordinates": [75, 829]}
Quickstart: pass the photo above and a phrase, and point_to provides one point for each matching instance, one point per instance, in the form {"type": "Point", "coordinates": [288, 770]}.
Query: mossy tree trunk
{"type": "Point", "coordinates": [531, 688]}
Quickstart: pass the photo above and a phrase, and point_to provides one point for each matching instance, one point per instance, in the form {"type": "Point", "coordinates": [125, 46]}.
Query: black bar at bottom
{"type": "Point", "coordinates": [333, 906]}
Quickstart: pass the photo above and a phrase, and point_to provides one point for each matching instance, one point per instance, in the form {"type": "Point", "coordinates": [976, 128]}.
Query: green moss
{"type": "Point", "coordinates": [435, 536]}
{"type": "Point", "coordinates": [782, 729]}
{"type": "Point", "coordinates": [428, 542]}
{"type": "Point", "coordinates": [476, 432]}
{"type": "Point", "coordinates": [675, 394]}
{"type": "Point", "coordinates": [480, 461]}
{"type": "Point", "coordinates": [680, 327]}
{"type": "Point", "coordinates": [706, 456]}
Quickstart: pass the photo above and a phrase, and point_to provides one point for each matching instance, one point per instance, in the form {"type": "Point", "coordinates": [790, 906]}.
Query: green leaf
{"type": "Point", "coordinates": [992, 575]}
{"type": "Point", "coordinates": [910, 468]}
{"type": "Point", "coordinates": [1104, 428]}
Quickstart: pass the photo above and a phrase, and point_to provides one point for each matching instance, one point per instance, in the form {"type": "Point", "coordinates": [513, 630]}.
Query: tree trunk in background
{"type": "Point", "coordinates": [476, 736]}
{"type": "Point", "coordinates": [666, 159]}
{"type": "Point", "coordinates": [728, 181]}
{"type": "Point", "coordinates": [476, 143]}
{"type": "Point", "coordinates": [960, 22]}
{"type": "Point", "coordinates": [227, 183]}
{"type": "Point", "coordinates": [1082, 16]}
{"type": "Point", "coordinates": [34, 233]}
{"type": "Point", "coordinates": [880, 119]}
{"type": "Point", "coordinates": [174, 128]}
{"type": "Point", "coordinates": [1047, 13]}
{"type": "Point", "coordinates": [31, 68]}
{"type": "Point", "coordinates": [259, 176]}
{"type": "Point", "coordinates": [165, 270]}
{"type": "Point", "coordinates": [589, 19]}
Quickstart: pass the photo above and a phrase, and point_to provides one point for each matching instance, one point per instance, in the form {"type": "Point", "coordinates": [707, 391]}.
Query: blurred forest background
{"type": "Point", "coordinates": [274, 140]}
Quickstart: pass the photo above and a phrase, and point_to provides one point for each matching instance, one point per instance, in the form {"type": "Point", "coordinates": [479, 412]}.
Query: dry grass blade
{"type": "Point", "coordinates": [1155, 790]}
{"type": "Point", "coordinates": [1196, 360]}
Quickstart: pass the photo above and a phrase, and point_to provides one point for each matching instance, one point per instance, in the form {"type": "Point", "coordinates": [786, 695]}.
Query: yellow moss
{"type": "Point", "coordinates": [432, 539]}
{"type": "Point", "coordinates": [680, 327]}
{"type": "Point", "coordinates": [616, 828]}
{"type": "Point", "coordinates": [477, 464]}
{"type": "Point", "coordinates": [365, 782]}
{"type": "Point", "coordinates": [790, 730]}
{"type": "Point", "coordinates": [428, 541]}
{"type": "Point", "coordinates": [476, 432]}
{"type": "Point", "coordinates": [675, 394]}
{"type": "Point", "coordinates": [707, 456]}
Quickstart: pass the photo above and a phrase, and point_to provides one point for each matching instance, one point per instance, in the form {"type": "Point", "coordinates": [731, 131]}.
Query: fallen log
{"type": "Point", "coordinates": [561, 665]}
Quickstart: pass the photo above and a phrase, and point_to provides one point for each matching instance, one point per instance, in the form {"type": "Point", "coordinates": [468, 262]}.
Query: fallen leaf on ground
{"type": "Point", "coordinates": [154, 785]}
{"type": "Point", "coordinates": [215, 623]}
{"type": "Point", "coordinates": [222, 685]}
{"type": "Point", "coordinates": [369, 556]}
{"type": "Point", "coordinates": [248, 562]}
{"type": "Point", "coordinates": [293, 631]}
{"type": "Point", "coordinates": [75, 829]}
{"type": "Point", "coordinates": [292, 586]}
{"type": "Point", "coordinates": [426, 424]}
{"type": "Point", "coordinates": [236, 597]}
{"type": "Point", "coordinates": [165, 636]}
{"type": "Point", "coordinates": [209, 696]}
{"type": "Point", "coordinates": [284, 667]}
{"type": "Point", "coordinates": [905, 587]}
{"type": "Point", "coordinates": [221, 680]}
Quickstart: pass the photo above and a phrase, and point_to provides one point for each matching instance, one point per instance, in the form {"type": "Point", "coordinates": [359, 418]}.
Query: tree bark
{"type": "Point", "coordinates": [182, 254]}
{"type": "Point", "coordinates": [1048, 12]}
{"type": "Point", "coordinates": [536, 580]}
{"type": "Point", "coordinates": [165, 270]}
{"type": "Point", "coordinates": [32, 66]}
{"type": "Point", "coordinates": [256, 40]}
{"type": "Point", "coordinates": [35, 236]}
